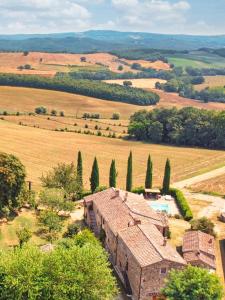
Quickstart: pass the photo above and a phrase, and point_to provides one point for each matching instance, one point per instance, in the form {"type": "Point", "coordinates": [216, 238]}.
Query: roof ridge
{"type": "Point", "coordinates": [151, 240]}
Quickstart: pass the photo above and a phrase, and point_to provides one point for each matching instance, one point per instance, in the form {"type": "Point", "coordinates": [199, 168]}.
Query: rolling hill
{"type": "Point", "coordinates": [106, 40]}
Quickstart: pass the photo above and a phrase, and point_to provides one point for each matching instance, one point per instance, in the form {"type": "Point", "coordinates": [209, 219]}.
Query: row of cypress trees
{"type": "Point", "coordinates": [94, 179]}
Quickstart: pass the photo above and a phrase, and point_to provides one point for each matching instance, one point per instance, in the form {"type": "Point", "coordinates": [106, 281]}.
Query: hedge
{"type": "Point", "coordinates": [182, 204]}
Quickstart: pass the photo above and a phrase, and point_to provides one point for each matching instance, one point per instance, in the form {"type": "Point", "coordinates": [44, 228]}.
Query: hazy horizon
{"type": "Point", "coordinates": [189, 17]}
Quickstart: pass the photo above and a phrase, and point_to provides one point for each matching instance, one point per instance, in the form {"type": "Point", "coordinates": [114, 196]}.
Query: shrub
{"type": "Point", "coordinates": [72, 230]}
{"type": "Point", "coordinates": [61, 114]}
{"type": "Point", "coordinates": [101, 188]}
{"type": "Point", "coordinates": [203, 224]}
{"type": "Point", "coordinates": [53, 112]}
{"type": "Point", "coordinates": [182, 204]}
{"type": "Point", "coordinates": [138, 190]}
{"type": "Point", "coordinates": [116, 116]}
{"type": "Point", "coordinates": [127, 83]}
{"type": "Point", "coordinates": [86, 126]}
{"type": "Point", "coordinates": [41, 110]}
{"type": "Point", "coordinates": [120, 68]}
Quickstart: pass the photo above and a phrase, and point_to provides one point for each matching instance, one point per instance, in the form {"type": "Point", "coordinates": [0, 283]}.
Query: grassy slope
{"type": "Point", "coordinates": [41, 149]}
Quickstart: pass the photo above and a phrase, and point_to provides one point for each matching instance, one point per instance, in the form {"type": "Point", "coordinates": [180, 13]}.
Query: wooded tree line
{"type": "Point", "coordinates": [98, 89]}
{"type": "Point", "coordinates": [188, 126]}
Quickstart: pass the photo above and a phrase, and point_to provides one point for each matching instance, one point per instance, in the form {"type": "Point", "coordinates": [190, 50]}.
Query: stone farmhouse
{"type": "Point", "coordinates": [199, 249]}
{"type": "Point", "coordinates": [135, 238]}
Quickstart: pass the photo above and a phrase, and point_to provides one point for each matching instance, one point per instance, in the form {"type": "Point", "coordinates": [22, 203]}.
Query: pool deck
{"type": "Point", "coordinates": [173, 209]}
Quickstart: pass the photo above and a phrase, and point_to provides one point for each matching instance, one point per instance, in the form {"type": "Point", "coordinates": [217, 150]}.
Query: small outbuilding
{"type": "Point", "coordinates": [199, 249]}
{"type": "Point", "coordinates": [152, 194]}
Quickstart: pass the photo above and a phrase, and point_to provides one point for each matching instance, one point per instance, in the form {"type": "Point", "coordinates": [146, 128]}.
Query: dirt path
{"type": "Point", "coordinates": [216, 204]}
{"type": "Point", "coordinates": [199, 178]}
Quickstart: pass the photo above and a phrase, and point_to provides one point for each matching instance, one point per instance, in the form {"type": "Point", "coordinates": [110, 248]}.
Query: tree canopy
{"type": "Point", "coordinates": [97, 89]}
{"type": "Point", "coordinates": [76, 269]}
{"type": "Point", "coordinates": [193, 283]}
{"type": "Point", "coordinates": [188, 126]}
{"type": "Point", "coordinates": [12, 180]}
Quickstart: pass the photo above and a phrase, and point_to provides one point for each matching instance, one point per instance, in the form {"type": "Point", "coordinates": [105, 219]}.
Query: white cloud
{"type": "Point", "coordinates": [147, 14]}
{"type": "Point", "coordinates": [43, 16]}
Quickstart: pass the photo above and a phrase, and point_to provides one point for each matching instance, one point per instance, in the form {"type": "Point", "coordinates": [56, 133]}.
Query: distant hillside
{"type": "Point", "coordinates": [103, 40]}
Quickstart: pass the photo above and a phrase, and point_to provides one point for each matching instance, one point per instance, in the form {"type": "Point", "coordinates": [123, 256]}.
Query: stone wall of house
{"type": "Point", "coordinates": [153, 277]}
{"type": "Point", "coordinates": [110, 242]}
{"type": "Point", "coordinates": [127, 264]}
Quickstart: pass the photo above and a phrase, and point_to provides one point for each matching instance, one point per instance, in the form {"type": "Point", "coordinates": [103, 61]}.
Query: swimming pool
{"type": "Point", "coordinates": [160, 207]}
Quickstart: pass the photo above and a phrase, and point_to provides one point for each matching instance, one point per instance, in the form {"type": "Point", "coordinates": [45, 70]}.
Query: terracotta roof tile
{"type": "Point", "coordinates": [198, 245]}
{"type": "Point", "coordinates": [147, 245]}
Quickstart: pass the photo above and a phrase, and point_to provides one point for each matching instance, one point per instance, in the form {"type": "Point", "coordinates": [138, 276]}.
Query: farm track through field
{"type": "Point", "coordinates": [199, 178]}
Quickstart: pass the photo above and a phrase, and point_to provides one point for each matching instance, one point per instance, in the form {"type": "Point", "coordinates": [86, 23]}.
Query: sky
{"type": "Point", "coordinates": [205, 17]}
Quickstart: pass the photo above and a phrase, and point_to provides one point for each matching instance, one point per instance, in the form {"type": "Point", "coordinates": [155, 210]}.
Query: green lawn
{"type": "Point", "coordinates": [197, 59]}
{"type": "Point", "coordinates": [27, 219]}
{"type": "Point", "coordinates": [187, 62]}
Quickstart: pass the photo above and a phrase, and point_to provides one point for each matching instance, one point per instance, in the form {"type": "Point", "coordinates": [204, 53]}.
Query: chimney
{"type": "Point", "coordinates": [116, 194]}
{"type": "Point", "coordinates": [125, 197]}
{"type": "Point", "coordinates": [137, 222]}
{"type": "Point", "coordinates": [164, 241]}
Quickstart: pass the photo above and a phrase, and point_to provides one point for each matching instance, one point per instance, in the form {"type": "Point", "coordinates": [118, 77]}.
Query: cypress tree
{"type": "Point", "coordinates": [148, 178]}
{"type": "Point", "coordinates": [166, 180]}
{"type": "Point", "coordinates": [80, 168]}
{"type": "Point", "coordinates": [94, 180]}
{"type": "Point", "coordinates": [112, 174]}
{"type": "Point", "coordinates": [129, 173]}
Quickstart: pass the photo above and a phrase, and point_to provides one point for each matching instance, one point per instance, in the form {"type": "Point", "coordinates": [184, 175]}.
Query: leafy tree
{"type": "Point", "coordinates": [148, 178]}
{"type": "Point", "coordinates": [187, 126]}
{"type": "Point", "coordinates": [77, 268]}
{"type": "Point", "coordinates": [129, 173]}
{"type": "Point", "coordinates": [24, 235]}
{"type": "Point", "coordinates": [54, 112]}
{"type": "Point", "coordinates": [203, 224]}
{"type": "Point", "coordinates": [72, 230]}
{"type": "Point", "coordinates": [62, 114]}
{"type": "Point", "coordinates": [51, 221]}
{"type": "Point", "coordinates": [12, 180]}
{"type": "Point", "coordinates": [193, 283]}
{"type": "Point", "coordinates": [115, 116]}
{"type": "Point", "coordinates": [41, 110]}
{"type": "Point", "coordinates": [80, 169]}
{"type": "Point", "coordinates": [94, 180]}
{"type": "Point", "coordinates": [93, 88]}
{"type": "Point", "coordinates": [54, 199]}
{"type": "Point", "coordinates": [166, 180]}
{"type": "Point", "coordinates": [112, 174]}
{"type": "Point", "coordinates": [127, 83]}
{"type": "Point", "coordinates": [64, 177]}
{"type": "Point", "coordinates": [120, 68]}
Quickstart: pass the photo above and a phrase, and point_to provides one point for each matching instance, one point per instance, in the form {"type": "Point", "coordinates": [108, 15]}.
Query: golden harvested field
{"type": "Point", "coordinates": [158, 65]}
{"type": "Point", "coordinates": [105, 126]}
{"type": "Point", "coordinates": [215, 186]}
{"type": "Point", "coordinates": [40, 150]}
{"type": "Point", "coordinates": [13, 99]}
{"type": "Point", "coordinates": [174, 100]}
{"type": "Point", "coordinates": [47, 64]}
{"type": "Point", "coordinates": [145, 83]}
{"type": "Point", "coordinates": [25, 100]}
{"type": "Point", "coordinates": [212, 82]}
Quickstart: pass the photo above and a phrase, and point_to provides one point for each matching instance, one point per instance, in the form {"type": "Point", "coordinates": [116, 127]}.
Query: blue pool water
{"type": "Point", "coordinates": [160, 207]}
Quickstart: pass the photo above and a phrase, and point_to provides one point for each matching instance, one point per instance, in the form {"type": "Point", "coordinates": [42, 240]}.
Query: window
{"type": "Point", "coordinates": [163, 271]}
